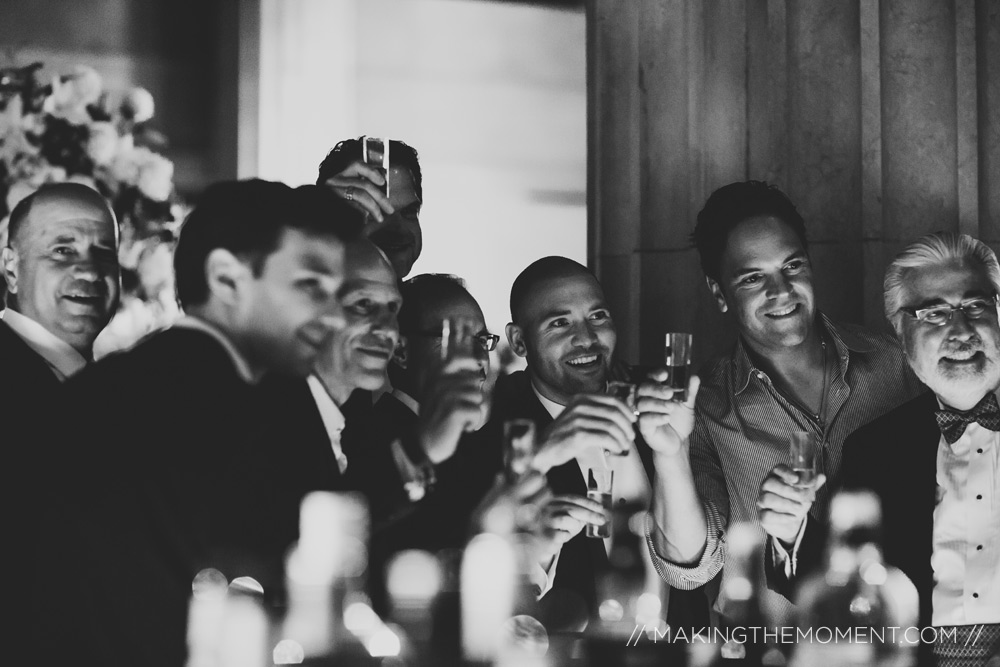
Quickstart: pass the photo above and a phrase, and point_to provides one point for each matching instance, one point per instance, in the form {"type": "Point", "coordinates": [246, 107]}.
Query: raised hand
{"type": "Point", "coordinates": [590, 420]}
{"type": "Point", "coordinates": [665, 424]}
{"type": "Point", "coordinates": [454, 404]}
{"type": "Point", "coordinates": [361, 185]}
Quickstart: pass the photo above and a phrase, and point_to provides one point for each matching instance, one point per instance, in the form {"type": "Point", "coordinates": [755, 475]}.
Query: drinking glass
{"type": "Point", "coordinates": [375, 153]}
{"type": "Point", "coordinates": [677, 359]}
{"type": "Point", "coordinates": [518, 447]}
{"type": "Point", "coordinates": [803, 455]}
{"type": "Point", "coordinates": [600, 486]}
{"type": "Point", "coordinates": [458, 338]}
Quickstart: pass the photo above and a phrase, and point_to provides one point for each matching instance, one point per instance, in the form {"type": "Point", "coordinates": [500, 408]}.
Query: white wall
{"type": "Point", "coordinates": [493, 97]}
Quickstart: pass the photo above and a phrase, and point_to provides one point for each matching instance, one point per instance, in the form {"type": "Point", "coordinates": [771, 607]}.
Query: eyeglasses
{"type": "Point", "coordinates": [937, 316]}
{"type": "Point", "coordinates": [488, 342]}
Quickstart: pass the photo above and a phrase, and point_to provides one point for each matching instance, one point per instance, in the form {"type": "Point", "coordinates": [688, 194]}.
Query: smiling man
{"type": "Point", "coordinates": [792, 369]}
{"type": "Point", "coordinates": [562, 325]}
{"type": "Point", "coordinates": [61, 270]}
{"type": "Point", "coordinates": [935, 461]}
{"type": "Point", "coordinates": [176, 481]}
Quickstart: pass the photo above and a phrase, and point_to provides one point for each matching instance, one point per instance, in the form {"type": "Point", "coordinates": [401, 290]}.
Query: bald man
{"type": "Point", "coordinates": [61, 271]}
{"type": "Point", "coordinates": [60, 267]}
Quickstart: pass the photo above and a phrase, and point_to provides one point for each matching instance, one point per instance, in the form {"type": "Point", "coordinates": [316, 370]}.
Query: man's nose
{"type": "Point", "coordinates": [959, 327]}
{"type": "Point", "coordinates": [584, 335]}
{"type": "Point", "coordinates": [778, 286]}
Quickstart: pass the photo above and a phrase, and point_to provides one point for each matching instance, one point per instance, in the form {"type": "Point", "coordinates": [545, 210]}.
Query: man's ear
{"type": "Point", "coordinates": [401, 353]}
{"type": "Point", "coordinates": [225, 275]}
{"type": "Point", "coordinates": [515, 336]}
{"type": "Point", "coordinates": [8, 264]}
{"type": "Point", "coordinates": [716, 290]}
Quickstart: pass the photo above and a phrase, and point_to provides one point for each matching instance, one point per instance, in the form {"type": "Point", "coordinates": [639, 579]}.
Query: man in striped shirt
{"type": "Point", "coordinates": [792, 369]}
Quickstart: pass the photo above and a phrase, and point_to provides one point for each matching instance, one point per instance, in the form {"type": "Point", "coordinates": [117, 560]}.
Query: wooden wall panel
{"type": "Point", "coordinates": [919, 136]}
{"type": "Point", "coordinates": [879, 118]}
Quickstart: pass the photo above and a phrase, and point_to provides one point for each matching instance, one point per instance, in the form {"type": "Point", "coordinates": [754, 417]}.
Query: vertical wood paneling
{"type": "Point", "coordinates": [919, 136]}
{"type": "Point", "coordinates": [613, 85]}
{"type": "Point", "coordinates": [824, 138]}
{"type": "Point", "coordinates": [871, 163]}
{"type": "Point", "coordinates": [966, 124]}
{"type": "Point", "coordinates": [879, 118]}
{"type": "Point", "coordinates": [767, 90]}
{"type": "Point", "coordinates": [988, 85]}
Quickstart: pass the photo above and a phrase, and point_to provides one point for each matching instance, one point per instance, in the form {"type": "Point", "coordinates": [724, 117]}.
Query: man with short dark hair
{"type": "Point", "coordinates": [792, 369]}
{"type": "Point", "coordinates": [179, 481]}
{"type": "Point", "coordinates": [393, 220]}
{"type": "Point", "coordinates": [561, 323]}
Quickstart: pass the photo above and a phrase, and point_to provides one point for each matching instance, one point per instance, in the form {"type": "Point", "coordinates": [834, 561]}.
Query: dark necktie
{"type": "Point", "coordinates": [953, 423]}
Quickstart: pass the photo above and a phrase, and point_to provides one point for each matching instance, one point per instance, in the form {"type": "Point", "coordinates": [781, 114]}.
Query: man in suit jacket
{"type": "Point", "coordinates": [934, 462]}
{"type": "Point", "coordinates": [60, 266]}
{"type": "Point", "coordinates": [326, 421]}
{"type": "Point", "coordinates": [180, 480]}
{"type": "Point", "coordinates": [562, 324]}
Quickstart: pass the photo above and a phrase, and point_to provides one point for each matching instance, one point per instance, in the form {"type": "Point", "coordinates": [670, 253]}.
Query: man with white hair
{"type": "Point", "coordinates": [935, 461]}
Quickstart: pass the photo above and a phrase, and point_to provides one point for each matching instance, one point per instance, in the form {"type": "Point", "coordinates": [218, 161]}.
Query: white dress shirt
{"type": "Point", "coordinates": [333, 418]}
{"type": "Point", "coordinates": [966, 551]}
{"type": "Point", "coordinates": [61, 357]}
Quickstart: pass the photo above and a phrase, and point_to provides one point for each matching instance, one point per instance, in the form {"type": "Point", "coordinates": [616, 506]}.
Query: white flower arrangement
{"type": "Point", "coordinates": [69, 129]}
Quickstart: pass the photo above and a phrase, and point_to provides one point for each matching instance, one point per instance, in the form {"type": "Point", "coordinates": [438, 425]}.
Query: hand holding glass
{"type": "Point", "coordinates": [803, 455]}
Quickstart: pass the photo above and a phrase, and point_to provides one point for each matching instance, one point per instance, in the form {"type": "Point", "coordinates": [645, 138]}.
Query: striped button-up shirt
{"type": "Point", "coordinates": [741, 432]}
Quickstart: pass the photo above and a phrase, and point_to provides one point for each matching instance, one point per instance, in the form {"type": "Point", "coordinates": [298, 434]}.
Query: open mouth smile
{"type": "Point", "coordinates": [784, 312]}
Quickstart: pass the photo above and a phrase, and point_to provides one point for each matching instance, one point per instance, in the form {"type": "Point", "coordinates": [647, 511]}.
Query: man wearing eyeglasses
{"type": "Point", "coordinates": [935, 461]}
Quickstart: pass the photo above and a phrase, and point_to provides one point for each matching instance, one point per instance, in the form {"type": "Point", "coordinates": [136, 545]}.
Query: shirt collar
{"type": "Point", "coordinates": [239, 361]}
{"type": "Point", "coordinates": [333, 418]}
{"type": "Point", "coordinates": [61, 357]}
{"type": "Point", "coordinates": [406, 400]}
{"type": "Point", "coordinates": [843, 339]}
{"type": "Point", "coordinates": [553, 408]}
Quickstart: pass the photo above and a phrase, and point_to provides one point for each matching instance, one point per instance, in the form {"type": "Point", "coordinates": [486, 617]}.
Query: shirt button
{"type": "Point", "coordinates": [979, 547]}
{"type": "Point", "coordinates": [979, 451]}
{"type": "Point", "coordinates": [979, 497]}
{"type": "Point", "coordinates": [975, 595]}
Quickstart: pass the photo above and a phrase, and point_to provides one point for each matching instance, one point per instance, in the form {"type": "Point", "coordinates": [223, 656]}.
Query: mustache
{"type": "Point", "coordinates": [974, 344]}
{"type": "Point", "coordinates": [593, 349]}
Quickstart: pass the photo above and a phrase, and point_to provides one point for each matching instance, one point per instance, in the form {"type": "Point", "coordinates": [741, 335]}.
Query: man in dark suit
{"type": "Point", "coordinates": [181, 480]}
{"type": "Point", "coordinates": [562, 324]}
{"type": "Point", "coordinates": [934, 462]}
{"type": "Point", "coordinates": [61, 270]}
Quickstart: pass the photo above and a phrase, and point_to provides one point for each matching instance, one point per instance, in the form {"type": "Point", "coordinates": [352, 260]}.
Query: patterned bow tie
{"type": "Point", "coordinates": [952, 422]}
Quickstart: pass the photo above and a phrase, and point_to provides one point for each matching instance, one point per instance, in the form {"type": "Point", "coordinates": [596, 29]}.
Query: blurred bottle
{"type": "Point", "coordinates": [630, 626]}
{"type": "Point", "coordinates": [327, 616]}
{"type": "Point", "coordinates": [847, 612]}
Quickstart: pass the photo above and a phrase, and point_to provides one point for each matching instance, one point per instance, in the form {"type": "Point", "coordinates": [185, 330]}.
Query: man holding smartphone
{"type": "Point", "coordinates": [390, 198]}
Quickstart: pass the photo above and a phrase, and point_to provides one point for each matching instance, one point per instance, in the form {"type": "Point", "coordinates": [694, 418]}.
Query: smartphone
{"type": "Point", "coordinates": [375, 153]}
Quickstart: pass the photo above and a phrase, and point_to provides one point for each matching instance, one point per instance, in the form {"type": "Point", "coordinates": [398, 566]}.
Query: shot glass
{"type": "Point", "coordinates": [518, 447]}
{"type": "Point", "coordinates": [458, 338]}
{"type": "Point", "coordinates": [600, 486]}
{"type": "Point", "coordinates": [803, 455]}
{"type": "Point", "coordinates": [375, 153]}
{"type": "Point", "coordinates": [677, 359]}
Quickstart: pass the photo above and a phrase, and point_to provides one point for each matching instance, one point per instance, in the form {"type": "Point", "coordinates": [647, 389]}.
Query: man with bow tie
{"type": "Point", "coordinates": [935, 461]}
